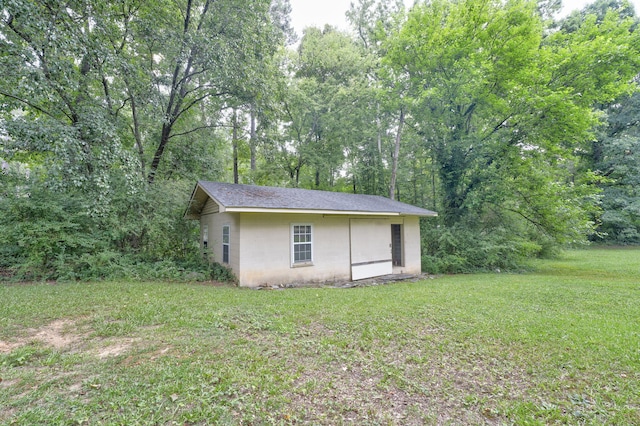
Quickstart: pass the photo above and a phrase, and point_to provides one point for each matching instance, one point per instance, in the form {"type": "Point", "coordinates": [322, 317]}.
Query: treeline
{"type": "Point", "coordinates": [519, 128]}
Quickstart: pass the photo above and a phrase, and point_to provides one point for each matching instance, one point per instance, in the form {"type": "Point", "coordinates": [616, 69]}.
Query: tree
{"type": "Point", "coordinates": [502, 109]}
{"type": "Point", "coordinates": [141, 68]}
{"type": "Point", "coordinates": [102, 99]}
{"type": "Point", "coordinates": [599, 8]}
{"type": "Point", "coordinates": [613, 152]}
{"type": "Point", "coordinates": [614, 155]}
{"type": "Point", "coordinates": [374, 21]}
{"type": "Point", "coordinates": [321, 105]}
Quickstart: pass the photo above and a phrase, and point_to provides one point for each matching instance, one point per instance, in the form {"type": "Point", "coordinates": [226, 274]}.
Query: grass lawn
{"type": "Point", "coordinates": [558, 346]}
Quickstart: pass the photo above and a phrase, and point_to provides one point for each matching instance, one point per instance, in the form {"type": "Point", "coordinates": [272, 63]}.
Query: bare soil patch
{"type": "Point", "coordinates": [66, 334]}
{"type": "Point", "coordinates": [6, 347]}
{"type": "Point", "coordinates": [115, 348]}
{"type": "Point", "coordinates": [58, 334]}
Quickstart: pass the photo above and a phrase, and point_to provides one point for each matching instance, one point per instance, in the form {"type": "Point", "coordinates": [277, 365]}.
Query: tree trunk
{"type": "Point", "coordinates": [396, 154]}
{"type": "Point", "coordinates": [252, 137]}
{"type": "Point", "coordinates": [155, 163]}
{"type": "Point", "coordinates": [179, 89]}
{"type": "Point", "coordinates": [136, 132]}
{"type": "Point", "coordinates": [379, 130]}
{"type": "Point", "coordinates": [234, 141]}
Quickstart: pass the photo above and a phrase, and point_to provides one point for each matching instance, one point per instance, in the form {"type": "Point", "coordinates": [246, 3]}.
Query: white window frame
{"type": "Point", "coordinates": [226, 232]}
{"type": "Point", "coordinates": [296, 227]}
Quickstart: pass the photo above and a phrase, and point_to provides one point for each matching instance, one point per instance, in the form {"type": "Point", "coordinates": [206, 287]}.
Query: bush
{"type": "Point", "coordinates": [40, 227]}
{"type": "Point", "coordinates": [222, 274]}
{"type": "Point", "coordinates": [462, 249]}
{"type": "Point", "coordinates": [58, 235]}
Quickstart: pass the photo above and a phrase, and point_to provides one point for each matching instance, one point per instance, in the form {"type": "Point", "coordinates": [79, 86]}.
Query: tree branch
{"type": "Point", "coordinates": [34, 106]}
{"type": "Point", "coordinates": [497, 127]}
{"type": "Point", "coordinates": [196, 101]}
{"type": "Point", "coordinates": [195, 129]}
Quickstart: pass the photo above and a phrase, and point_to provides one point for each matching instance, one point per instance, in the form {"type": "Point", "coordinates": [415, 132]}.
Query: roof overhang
{"type": "Point", "coordinates": [308, 211]}
{"type": "Point", "coordinates": [197, 201]}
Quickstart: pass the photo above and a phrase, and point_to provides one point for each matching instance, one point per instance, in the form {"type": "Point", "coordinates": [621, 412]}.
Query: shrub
{"type": "Point", "coordinates": [58, 235]}
{"type": "Point", "coordinates": [222, 273]}
{"type": "Point", "coordinates": [462, 249]}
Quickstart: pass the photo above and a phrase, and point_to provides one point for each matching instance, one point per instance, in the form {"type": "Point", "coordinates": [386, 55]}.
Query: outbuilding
{"type": "Point", "coordinates": [288, 236]}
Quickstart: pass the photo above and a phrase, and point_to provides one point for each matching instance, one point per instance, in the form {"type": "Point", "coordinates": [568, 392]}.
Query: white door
{"type": "Point", "coordinates": [370, 248]}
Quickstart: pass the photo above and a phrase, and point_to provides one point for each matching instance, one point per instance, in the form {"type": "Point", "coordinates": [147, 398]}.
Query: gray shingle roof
{"type": "Point", "coordinates": [264, 197]}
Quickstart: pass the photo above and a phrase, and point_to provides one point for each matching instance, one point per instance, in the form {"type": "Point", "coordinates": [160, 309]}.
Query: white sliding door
{"type": "Point", "coordinates": [370, 248]}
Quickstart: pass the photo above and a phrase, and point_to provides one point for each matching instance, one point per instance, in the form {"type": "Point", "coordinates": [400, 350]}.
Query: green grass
{"type": "Point", "coordinates": [558, 346]}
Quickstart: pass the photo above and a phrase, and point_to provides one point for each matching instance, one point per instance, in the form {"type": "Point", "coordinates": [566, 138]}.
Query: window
{"type": "Point", "coordinates": [396, 245]}
{"type": "Point", "coordinates": [205, 236]}
{"type": "Point", "coordinates": [302, 244]}
{"type": "Point", "coordinates": [225, 244]}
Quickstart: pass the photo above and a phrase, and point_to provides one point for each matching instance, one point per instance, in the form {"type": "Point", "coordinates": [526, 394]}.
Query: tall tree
{"type": "Point", "coordinates": [140, 67]}
{"type": "Point", "coordinates": [101, 99]}
{"type": "Point", "coordinates": [501, 107]}
{"type": "Point", "coordinates": [615, 155]}
{"type": "Point", "coordinates": [613, 152]}
{"type": "Point", "coordinates": [321, 105]}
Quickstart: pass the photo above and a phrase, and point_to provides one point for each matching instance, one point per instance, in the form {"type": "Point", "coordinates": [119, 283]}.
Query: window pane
{"type": "Point", "coordinates": [225, 244]}
{"type": "Point", "coordinates": [225, 253]}
{"type": "Point", "coordinates": [302, 252]}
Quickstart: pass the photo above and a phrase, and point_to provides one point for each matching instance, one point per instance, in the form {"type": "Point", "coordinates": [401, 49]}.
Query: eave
{"type": "Point", "coordinates": [305, 211]}
{"type": "Point", "coordinates": [308, 211]}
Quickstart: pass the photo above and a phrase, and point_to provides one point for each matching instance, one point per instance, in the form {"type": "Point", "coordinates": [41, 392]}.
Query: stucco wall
{"type": "Point", "coordinates": [261, 246]}
{"type": "Point", "coordinates": [411, 245]}
{"type": "Point", "coordinates": [265, 242]}
{"type": "Point", "coordinates": [216, 221]}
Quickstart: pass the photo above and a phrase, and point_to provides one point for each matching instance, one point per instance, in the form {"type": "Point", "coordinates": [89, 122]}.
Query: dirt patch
{"type": "Point", "coordinates": [116, 348]}
{"type": "Point", "coordinates": [59, 334]}
{"type": "Point", "coordinates": [56, 334]}
{"type": "Point", "coordinates": [6, 347]}
{"type": "Point", "coordinates": [68, 335]}
{"type": "Point", "coordinates": [6, 383]}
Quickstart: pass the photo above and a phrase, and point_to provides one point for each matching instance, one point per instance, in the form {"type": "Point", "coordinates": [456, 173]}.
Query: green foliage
{"type": "Point", "coordinates": [464, 249]}
{"type": "Point", "coordinates": [40, 226]}
{"type": "Point", "coordinates": [222, 273]}
{"type": "Point", "coordinates": [615, 156]}
{"type": "Point", "coordinates": [147, 74]}
{"type": "Point", "coordinates": [503, 108]}
{"type": "Point", "coordinates": [323, 107]}
{"type": "Point", "coordinates": [53, 234]}
{"type": "Point", "coordinates": [599, 9]}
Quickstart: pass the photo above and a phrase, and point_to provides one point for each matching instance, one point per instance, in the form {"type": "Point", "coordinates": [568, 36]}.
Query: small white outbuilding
{"type": "Point", "coordinates": [288, 236]}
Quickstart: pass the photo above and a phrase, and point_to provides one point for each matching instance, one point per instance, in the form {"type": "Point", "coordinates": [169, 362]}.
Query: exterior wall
{"type": "Point", "coordinates": [260, 246]}
{"type": "Point", "coordinates": [210, 207]}
{"type": "Point", "coordinates": [266, 248]}
{"type": "Point", "coordinates": [412, 262]}
{"type": "Point", "coordinates": [215, 222]}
